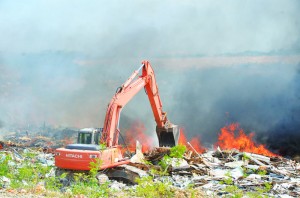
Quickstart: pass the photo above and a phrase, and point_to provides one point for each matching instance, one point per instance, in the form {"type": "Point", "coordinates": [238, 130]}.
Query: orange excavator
{"type": "Point", "coordinates": [88, 148]}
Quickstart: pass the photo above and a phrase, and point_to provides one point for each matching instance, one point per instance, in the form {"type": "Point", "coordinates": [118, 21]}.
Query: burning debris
{"type": "Point", "coordinates": [136, 133]}
{"type": "Point", "coordinates": [237, 166]}
{"type": "Point", "coordinates": [242, 142]}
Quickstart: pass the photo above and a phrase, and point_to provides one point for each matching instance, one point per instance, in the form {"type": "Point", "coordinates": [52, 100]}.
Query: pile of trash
{"type": "Point", "coordinates": [49, 139]}
{"type": "Point", "coordinates": [217, 172]}
{"type": "Point", "coordinates": [230, 172]}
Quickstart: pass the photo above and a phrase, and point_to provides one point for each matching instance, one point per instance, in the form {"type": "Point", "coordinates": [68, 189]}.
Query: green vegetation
{"type": "Point", "coordinates": [256, 195]}
{"type": "Point", "coordinates": [53, 183]}
{"type": "Point", "coordinates": [165, 163]}
{"type": "Point", "coordinates": [178, 151]}
{"type": "Point", "coordinates": [192, 191]}
{"type": "Point", "coordinates": [232, 189]}
{"type": "Point", "coordinates": [259, 193]}
{"type": "Point", "coordinates": [147, 162]}
{"type": "Point", "coordinates": [27, 176]}
{"type": "Point", "coordinates": [102, 146]}
{"type": "Point", "coordinates": [4, 168]}
{"type": "Point", "coordinates": [87, 184]}
{"type": "Point", "coordinates": [228, 180]}
{"type": "Point", "coordinates": [245, 157]}
{"type": "Point", "coordinates": [94, 167]}
{"type": "Point", "coordinates": [235, 192]}
{"type": "Point", "coordinates": [266, 188]}
{"type": "Point", "coordinates": [261, 172]}
{"type": "Point", "coordinates": [159, 173]}
{"type": "Point", "coordinates": [33, 176]}
{"type": "Point", "coordinates": [148, 188]}
{"type": "Point", "coordinates": [245, 172]}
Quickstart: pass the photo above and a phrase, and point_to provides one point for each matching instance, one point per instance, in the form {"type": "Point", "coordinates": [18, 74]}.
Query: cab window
{"type": "Point", "coordinates": [85, 138]}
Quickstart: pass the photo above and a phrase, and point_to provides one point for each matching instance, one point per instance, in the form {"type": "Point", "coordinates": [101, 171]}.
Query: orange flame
{"type": "Point", "coordinates": [136, 132]}
{"type": "Point", "coordinates": [195, 142]}
{"type": "Point", "coordinates": [226, 140]}
{"type": "Point", "coordinates": [182, 139]}
{"type": "Point", "coordinates": [242, 142]}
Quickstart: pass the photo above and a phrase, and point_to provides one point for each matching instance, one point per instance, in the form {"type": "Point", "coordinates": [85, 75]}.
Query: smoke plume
{"type": "Point", "coordinates": [215, 63]}
{"type": "Point", "coordinates": [263, 98]}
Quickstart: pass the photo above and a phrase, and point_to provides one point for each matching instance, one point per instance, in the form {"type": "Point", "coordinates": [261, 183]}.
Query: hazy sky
{"type": "Point", "coordinates": [62, 60]}
{"type": "Point", "coordinates": [156, 28]}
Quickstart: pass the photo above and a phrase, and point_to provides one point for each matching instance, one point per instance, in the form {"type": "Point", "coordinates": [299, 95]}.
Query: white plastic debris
{"type": "Point", "coordinates": [284, 196]}
{"type": "Point", "coordinates": [117, 185]}
{"type": "Point", "coordinates": [237, 173]}
{"type": "Point", "coordinates": [2, 157]}
{"type": "Point", "coordinates": [286, 185]}
{"type": "Point", "coordinates": [234, 164]}
{"type": "Point", "coordinates": [102, 178]}
{"type": "Point", "coordinates": [138, 157]}
{"type": "Point", "coordinates": [179, 164]}
{"type": "Point", "coordinates": [298, 166]}
{"type": "Point", "coordinates": [253, 167]}
{"type": "Point", "coordinates": [181, 181]}
{"type": "Point", "coordinates": [254, 177]}
{"type": "Point", "coordinates": [219, 173]}
{"type": "Point", "coordinates": [11, 163]}
{"type": "Point", "coordinates": [208, 186]}
{"type": "Point", "coordinates": [51, 173]}
{"type": "Point", "coordinates": [5, 181]}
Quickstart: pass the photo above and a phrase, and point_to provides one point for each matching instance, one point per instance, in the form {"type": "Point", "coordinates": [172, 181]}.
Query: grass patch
{"type": "Point", "coordinates": [148, 188]}
{"type": "Point", "coordinates": [234, 191]}
{"type": "Point", "coordinates": [177, 151]}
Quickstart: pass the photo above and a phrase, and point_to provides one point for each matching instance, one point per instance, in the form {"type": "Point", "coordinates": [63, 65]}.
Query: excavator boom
{"type": "Point", "coordinates": [79, 156]}
{"type": "Point", "coordinates": [167, 132]}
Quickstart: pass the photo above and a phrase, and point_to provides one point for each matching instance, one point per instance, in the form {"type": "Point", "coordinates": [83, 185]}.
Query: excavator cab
{"type": "Point", "coordinates": [89, 136]}
{"type": "Point", "coordinates": [168, 136]}
{"type": "Point", "coordinates": [88, 139]}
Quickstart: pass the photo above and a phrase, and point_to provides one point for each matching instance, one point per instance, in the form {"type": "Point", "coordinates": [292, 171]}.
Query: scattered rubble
{"type": "Point", "coordinates": [215, 173]}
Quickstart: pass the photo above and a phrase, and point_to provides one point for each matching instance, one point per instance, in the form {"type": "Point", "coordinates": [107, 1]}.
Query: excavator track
{"type": "Point", "coordinates": [124, 173]}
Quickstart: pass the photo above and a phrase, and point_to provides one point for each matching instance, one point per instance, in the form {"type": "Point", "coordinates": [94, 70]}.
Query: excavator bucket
{"type": "Point", "coordinates": [168, 137]}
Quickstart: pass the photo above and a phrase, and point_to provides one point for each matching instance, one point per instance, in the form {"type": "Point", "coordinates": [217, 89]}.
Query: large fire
{"type": "Point", "coordinates": [231, 137]}
{"type": "Point", "coordinates": [136, 132]}
{"type": "Point", "coordinates": [229, 140]}
{"type": "Point", "coordinates": [195, 142]}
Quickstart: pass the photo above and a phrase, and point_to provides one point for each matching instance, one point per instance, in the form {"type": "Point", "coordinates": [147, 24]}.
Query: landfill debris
{"type": "Point", "coordinates": [215, 172]}
{"type": "Point", "coordinates": [138, 157]}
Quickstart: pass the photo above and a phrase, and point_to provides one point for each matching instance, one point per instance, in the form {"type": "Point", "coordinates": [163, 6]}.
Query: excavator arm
{"type": "Point", "coordinates": [167, 133]}
{"type": "Point", "coordinates": [79, 156]}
